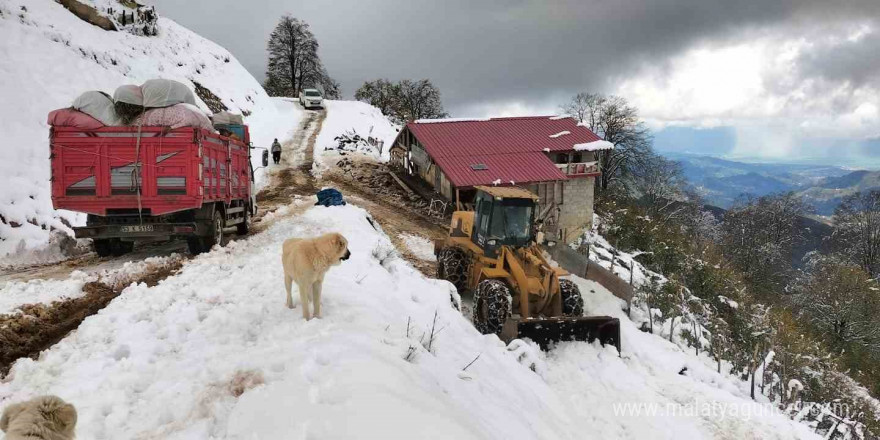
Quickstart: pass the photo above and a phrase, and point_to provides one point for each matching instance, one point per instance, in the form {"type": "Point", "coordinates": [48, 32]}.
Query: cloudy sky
{"type": "Point", "coordinates": [763, 79]}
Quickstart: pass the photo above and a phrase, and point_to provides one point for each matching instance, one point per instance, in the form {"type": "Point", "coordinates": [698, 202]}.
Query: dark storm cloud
{"type": "Point", "coordinates": [855, 62]}
{"type": "Point", "coordinates": [533, 52]}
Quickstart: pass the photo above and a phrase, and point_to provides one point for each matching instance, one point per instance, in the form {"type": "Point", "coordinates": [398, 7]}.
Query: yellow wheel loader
{"type": "Point", "coordinates": [492, 251]}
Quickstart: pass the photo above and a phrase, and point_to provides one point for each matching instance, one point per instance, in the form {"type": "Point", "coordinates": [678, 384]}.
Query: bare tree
{"type": "Point", "coordinates": [379, 93]}
{"type": "Point", "coordinates": [418, 100]}
{"type": "Point", "coordinates": [659, 183]}
{"type": "Point", "coordinates": [857, 230]}
{"type": "Point", "coordinates": [293, 60]}
{"type": "Point", "coordinates": [404, 101]}
{"type": "Point", "coordinates": [759, 234]}
{"type": "Point", "coordinates": [842, 302]}
{"type": "Point", "coordinates": [615, 121]}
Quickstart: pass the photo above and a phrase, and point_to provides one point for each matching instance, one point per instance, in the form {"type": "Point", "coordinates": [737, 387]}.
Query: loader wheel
{"type": "Point", "coordinates": [102, 247]}
{"type": "Point", "coordinates": [572, 301]}
{"type": "Point", "coordinates": [453, 265]}
{"type": "Point", "coordinates": [491, 306]}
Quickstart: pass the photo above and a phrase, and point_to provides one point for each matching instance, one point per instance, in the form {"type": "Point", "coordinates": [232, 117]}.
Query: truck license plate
{"type": "Point", "coordinates": [138, 228]}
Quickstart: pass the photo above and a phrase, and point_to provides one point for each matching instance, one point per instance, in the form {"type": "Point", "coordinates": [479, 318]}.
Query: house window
{"type": "Point", "coordinates": [562, 158]}
{"type": "Point", "coordinates": [577, 158]}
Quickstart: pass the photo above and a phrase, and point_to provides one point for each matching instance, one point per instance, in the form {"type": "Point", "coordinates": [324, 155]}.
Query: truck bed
{"type": "Point", "coordinates": [93, 171]}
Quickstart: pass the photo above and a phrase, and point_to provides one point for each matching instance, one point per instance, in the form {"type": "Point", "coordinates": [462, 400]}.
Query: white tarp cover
{"type": "Point", "coordinates": [227, 118]}
{"type": "Point", "coordinates": [175, 116]}
{"type": "Point", "coordinates": [166, 92]}
{"type": "Point", "coordinates": [129, 94]}
{"type": "Point", "coordinates": [98, 105]}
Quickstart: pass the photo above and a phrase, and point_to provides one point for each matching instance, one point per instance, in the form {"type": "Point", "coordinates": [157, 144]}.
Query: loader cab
{"type": "Point", "coordinates": [503, 217]}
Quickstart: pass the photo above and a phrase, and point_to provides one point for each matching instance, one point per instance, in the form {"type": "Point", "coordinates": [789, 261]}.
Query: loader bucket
{"type": "Point", "coordinates": [547, 331]}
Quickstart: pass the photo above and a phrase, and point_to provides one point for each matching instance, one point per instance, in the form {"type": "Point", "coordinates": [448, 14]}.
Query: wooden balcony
{"type": "Point", "coordinates": [579, 169]}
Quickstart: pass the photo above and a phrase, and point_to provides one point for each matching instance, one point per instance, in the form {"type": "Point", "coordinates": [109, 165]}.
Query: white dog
{"type": "Point", "coordinates": [306, 261]}
{"type": "Point", "coordinates": [42, 418]}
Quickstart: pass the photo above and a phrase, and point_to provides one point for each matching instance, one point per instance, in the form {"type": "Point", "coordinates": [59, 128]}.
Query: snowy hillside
{"type": "Point", "coordinates": [213, 352]}
{"type": "Point", "coordinates": [51, 56]}
{"type": "Point", "coordinates": [346, 119]}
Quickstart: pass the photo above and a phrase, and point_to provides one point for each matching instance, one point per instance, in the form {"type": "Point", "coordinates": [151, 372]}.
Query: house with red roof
{"type": "Point", "coordinates": [552, 156]}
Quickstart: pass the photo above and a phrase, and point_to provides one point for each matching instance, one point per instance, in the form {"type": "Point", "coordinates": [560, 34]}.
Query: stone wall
{"type": "Point", "coordinates": [576, 211]}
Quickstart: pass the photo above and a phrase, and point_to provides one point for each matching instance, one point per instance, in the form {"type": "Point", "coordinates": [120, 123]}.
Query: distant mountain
{"type": "Point", "coordinates": [722, 181]}
{"type": "Point", "coordinates": [831, 191]}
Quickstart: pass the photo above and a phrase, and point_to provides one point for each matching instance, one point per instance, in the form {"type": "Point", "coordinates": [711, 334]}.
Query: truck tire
{"type": "Point", "coordinates": [216, 229]}
{"type": "Point", "coordinates": [244, 227]}
{"type": "Point", "coordinates": [102, 247]}
{"type": "Point", "coordinates": [492, 306]}
{"type": "Point", "coordinates": [199, 244]}
{"type": "Point", "coordinates": [194, 244]}
{"type": "Point", "coordinates": [453, 265]}
{"type": "Point", "coordinates": [572, 301]}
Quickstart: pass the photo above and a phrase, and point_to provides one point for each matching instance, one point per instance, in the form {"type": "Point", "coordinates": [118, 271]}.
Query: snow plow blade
{"type": "Point", "coordinates": [547, 331]}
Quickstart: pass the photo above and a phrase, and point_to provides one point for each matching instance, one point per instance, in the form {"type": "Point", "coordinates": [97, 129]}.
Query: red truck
{"type": "Point", "coordinates": [153, 184]}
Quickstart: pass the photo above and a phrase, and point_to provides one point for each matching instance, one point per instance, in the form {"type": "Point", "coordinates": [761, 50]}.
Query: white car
{"type": "Point", "coordinates": [310, 98]}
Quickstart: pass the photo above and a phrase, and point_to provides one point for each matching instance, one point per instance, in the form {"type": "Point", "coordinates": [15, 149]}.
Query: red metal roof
{"type": "Point", "coordinates": [517, 168]}
{"type": "Point", "coordinates": [513, 149]}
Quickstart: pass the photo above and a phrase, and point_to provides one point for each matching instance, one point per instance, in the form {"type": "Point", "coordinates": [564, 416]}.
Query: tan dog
{"type": "Point", "coordinates": [306, 261]}
{"type": "Point", "coordinates": [41, 418]}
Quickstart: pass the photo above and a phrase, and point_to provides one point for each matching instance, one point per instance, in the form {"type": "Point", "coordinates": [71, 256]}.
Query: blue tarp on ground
{"type": "Point", "coordinates": [330, 197]}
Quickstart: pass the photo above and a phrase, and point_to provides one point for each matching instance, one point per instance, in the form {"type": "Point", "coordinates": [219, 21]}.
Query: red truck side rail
{"type": "Point", "coordinates": [95, 172]}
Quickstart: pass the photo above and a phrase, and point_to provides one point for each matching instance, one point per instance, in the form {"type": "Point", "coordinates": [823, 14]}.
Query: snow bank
{"type": "Point", "coordinates": [640, 394]}
{"type": "Point", "coordinates": [51, 56]}
{"type": "Point", "coordinates": [352, 117]}
{"type": "Point", "coordinates": [14, 294]}
{"type": "Point", "coordinates": [171, 360]}
{"type": "Point", "coordinates": [594, 146]}
{"type": "Point", "coordinates": [420, 246]}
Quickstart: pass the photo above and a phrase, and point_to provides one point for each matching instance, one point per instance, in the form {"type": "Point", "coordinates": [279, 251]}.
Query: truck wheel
{"type": "Point", "coordinates": [453, 265]}
{"type": "Point", "coordinates": [216, 236]}
{"type": "Point", "coordinates": [243, 227]}
{"type": "Point", "coordinates": [119, 247]}
{"type": "Point", "coordinates": [572, 301]}
{"type": "Point", "coordinates": [491, 306]}
{"type": "Point", "coordinates": [102, 247]}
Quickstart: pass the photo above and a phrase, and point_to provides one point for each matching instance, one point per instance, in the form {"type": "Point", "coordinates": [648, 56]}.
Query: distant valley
{"type": "Point", "coordinates": [722, 181]}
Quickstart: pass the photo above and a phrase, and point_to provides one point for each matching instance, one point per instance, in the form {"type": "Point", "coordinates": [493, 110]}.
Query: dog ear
{"type": "Point", "coordinates": [8, 414]}
{"type": "Point", "coordinates": [66, 416]}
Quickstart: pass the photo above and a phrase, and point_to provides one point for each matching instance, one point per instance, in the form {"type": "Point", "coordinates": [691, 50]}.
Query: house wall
{"type": "Point", "coordinates": [576, 213]}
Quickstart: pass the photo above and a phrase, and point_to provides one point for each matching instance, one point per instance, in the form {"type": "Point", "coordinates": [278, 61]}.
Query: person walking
{"type": "Point", "coordinates": [276, 151]}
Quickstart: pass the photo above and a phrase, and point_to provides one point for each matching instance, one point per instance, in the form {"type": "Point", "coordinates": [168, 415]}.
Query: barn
{"type": "Point", "coordinates": [553, 157]}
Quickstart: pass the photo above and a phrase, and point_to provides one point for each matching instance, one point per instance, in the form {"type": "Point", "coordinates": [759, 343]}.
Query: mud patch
{"type": "Point", "coordinates": [36, 327]}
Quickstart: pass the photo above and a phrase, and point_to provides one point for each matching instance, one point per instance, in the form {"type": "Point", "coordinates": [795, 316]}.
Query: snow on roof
{"type": "Point", "coordinates": [561, 133]}
{"type": "Point", "coordinates": [437, 121]}
{"type": "Point", "coordinates": [558, 117]}
{"type": "Point", "coordinates": [594, 146]}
